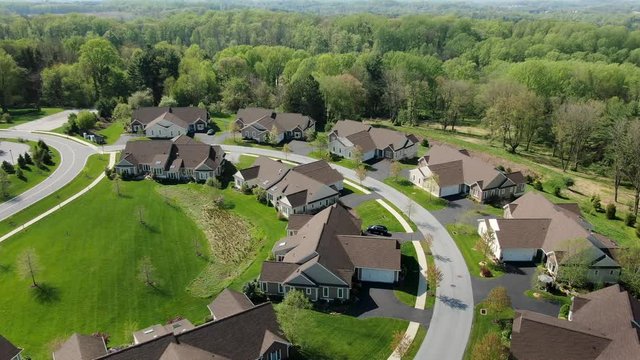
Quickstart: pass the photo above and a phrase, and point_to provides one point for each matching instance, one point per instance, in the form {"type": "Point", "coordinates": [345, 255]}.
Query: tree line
{"type": "Point", "coordinates": [568, 85]}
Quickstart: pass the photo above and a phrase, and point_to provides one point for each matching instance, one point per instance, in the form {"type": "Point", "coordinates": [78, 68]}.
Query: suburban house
{"type": "Point", "coordinates": [180, 158]}
{"type": "Point", "coordinates": [8, 351]}
{"type": "Point", "coordinates": [246, 335]}
{"type": "Point", "coordinates": [229, 303]}
{"type": "Point", "coordinates": [81, 347]}
{"type": "Point", "coordinates": [260, 125]}
{"type": "Point", "coordinates": [168, 122]}
{"type": "Point", "coordinates": [533, 226]}
{"type": "Point", "coordinates": [303, 189]}
{"type": "Point", "coordinates": [374, 143]}
{"type": "Point", "coordinates": [157, 330]}
{"type": "Point", "coordinates": [446, 171]}
{"type": "Point", "coordinates": [326, 254]}
{"type": "Point", "coordinates": [602, 325]}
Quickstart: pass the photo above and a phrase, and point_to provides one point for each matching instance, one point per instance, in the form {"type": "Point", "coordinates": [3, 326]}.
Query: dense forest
{"type": "Point", "coordinates": [571, 85]}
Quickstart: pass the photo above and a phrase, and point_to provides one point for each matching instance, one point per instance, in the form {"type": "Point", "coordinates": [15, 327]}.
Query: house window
{"type": "Point", "coordinates": [276, 355]}
{"type": "Point", "coordinates": [280, 289]}
{"type": "Point", "coordinates": [263, 286]}
{"type": "Point", "coordinates": [325, 292]}
{"type": "Point", "coordinates": [280, 258]}
{"type": "Point", "coordinates": [340, 293]}
{"type": "Point", "coordinates": [308, 291]}
{"type": "Point", "coordinates": [596, 272]}
{"type": "Point", "coordinates": [612, 272]}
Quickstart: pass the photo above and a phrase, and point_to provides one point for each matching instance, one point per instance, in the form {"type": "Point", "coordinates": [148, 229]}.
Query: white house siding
{"type": "Point", "coordinates": [169, 132]}
{"type": "Point", "coordinates": [338, 148]}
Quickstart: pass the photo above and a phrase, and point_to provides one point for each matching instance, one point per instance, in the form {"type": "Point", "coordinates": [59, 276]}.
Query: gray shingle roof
{"type": "Point", "coordinates": [183, 115]}
{"type": "Point", "coordinates": [228, 303]}
{"type": "Point", "coordinates": [81, 347]}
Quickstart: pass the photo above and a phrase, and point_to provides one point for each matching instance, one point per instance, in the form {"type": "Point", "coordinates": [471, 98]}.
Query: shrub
{"type": "Point", "coordinates": [245, 189]}
{"type": "Point", "coordinates": [630, 220]}
{"type": "Point", "coordinates": [27, 158]}
{"type": "Point", "coordinates": [538, 185]}
{"type": "Point", "coordinates": [8, 168]}
{"type": "Point", "coordinates": [6, 118]}
{"type": "Point", "coordinates": [261, 194]}
{"type": "Point", "coordinates": [638, 230]}
{"type": "Point", "coordinates": [557, 191]}
{"type": "Point", "coordinates": [213, 182]}
{"type": "Point", "coordinates": [611, 211]}
{"type": "Point", "coordinates": [253, 292]}
{"type": "Point", "coordinates": [20, 174]}
{"type": "Point", "coordinates": [569, 182]}
{"type": "Point", "coordinates": [501, 168]}
{"type": "Point", "coordinates": [21, 161]}
{"type": "Point", "coordinates": [485, 271]}
{"type": "Point", "coordinates": [425, 142]}
{"type": "Point", "coordinates": [595, 202]}
{"type": "Point", "coordinates": [564, 311]}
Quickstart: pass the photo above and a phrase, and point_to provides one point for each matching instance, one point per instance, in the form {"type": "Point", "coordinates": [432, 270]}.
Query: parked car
{"type": "Point", "coordinates": [210, 132]}
{"type": "Point", "coordinates": [378, 230]}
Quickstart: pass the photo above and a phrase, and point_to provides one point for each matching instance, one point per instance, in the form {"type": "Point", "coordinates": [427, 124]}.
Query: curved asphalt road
{"type": "Point", "coordinates": [73, 157]}
{"type": "Point", "coordinates": [453, 312]}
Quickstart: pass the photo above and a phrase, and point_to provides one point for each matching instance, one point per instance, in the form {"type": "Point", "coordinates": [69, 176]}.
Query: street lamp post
{"type": "Point", "coordinates": [11, 153]}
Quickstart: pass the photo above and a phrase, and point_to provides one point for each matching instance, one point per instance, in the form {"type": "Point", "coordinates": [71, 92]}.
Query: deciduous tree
{"type": "Point", "coordinates": [147, 272]}
{"type": "Point", "coordinates": [498, 299]}
{"type": "Point", "coordinates": [490, 347]}
{"type": "Point", "coordinates": [29, 266]}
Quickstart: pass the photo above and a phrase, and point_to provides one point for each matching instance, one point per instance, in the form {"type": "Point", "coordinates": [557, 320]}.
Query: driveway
{"type": "Point", "coordinates": [73, 156]}
{"type": "Point", "coordinates": [353, 200]}
{"type": "Point", "coordinates": [46, 123]}
{"type": "Point", "coordinates": [452, 315]}
{"type": "Point", "coordinates": [517, 280]}
{"type": "Point", "coordinates": [380, 301]}
{"type": "Point", "coordinates": [300, 147]}
{"type": "Point", "coordinates": [460, 210]}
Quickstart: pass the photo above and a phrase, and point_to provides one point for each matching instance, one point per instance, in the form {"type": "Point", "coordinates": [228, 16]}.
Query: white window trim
{"type": "Point", "coordinates": [280, 289]}
{"type": "Point", "coordinates": [340, 293]}
{"type": "Point", "coordinates": [308, 291]}
{"type": "Point", "coordinates": [325, 291]}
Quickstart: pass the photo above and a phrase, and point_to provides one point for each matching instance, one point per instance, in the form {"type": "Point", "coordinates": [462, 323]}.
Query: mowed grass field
{"type": "Point", "coordinates": [89, 252]}
{"type": "Point", "coordinates": [20, 116]}
{"type": "Point", "coordinates": [372, 213]}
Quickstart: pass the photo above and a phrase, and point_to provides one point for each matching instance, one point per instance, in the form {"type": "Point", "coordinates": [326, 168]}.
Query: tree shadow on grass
{"type": "Point", "coordinates": [45, 293]}
{"type": "Point", "coordinates": [151, 228]}
{"type": "Point", "coordinates": [156, 289]}
{"type": "Point", "coordinates": [4, 268]}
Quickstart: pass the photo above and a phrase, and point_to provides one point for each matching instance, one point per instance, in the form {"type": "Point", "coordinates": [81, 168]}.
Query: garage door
{"type": "Point", "coordinates": [375, 275]}
{"type": "Point", "coordinates": [518, 254]}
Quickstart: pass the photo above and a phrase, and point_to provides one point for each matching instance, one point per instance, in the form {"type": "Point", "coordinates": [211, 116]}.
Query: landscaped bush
{"type": "Point", "coordinates": [253, 292]}
{"type": "Point", "coordinates": [595, 202]}
{"type": "Point", "coordinates": [569, 182]}
{"type": "Point", "coordinates": [425, 142]}
{"type": "Point", "coordinates": [630, 220]}
{"type": "Point", "coordinates": [564, 311]}
{"type": "Point", "coordinates": [611, 211]}
{"type": "Point", "coordinates": [538, 185]}
{"type": "Point", "coordinates": [20, 174]}
{"type": "Point", "coordinates": [6, 118]}
{"type": "Point", "coordinates": [21, 161]}
{"type": "Point", "coordinates": [8, 168]}
{"type": "Point", "coordinates": [485, 271]}
{"type": "Point", "coordinates": [557, 191]}
{"type": "Point", "coordinates": [261, 194]}
{"type": "Point", "coordinates": [213, 182]}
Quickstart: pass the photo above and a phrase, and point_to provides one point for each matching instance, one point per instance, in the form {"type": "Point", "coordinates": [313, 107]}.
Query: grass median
{"type": "Point", "coordinates": [94, 167]}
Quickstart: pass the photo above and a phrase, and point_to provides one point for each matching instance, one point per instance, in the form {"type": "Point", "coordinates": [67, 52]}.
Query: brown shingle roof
{"type": "Point", "coordinates": [238, 337]}
{"type": "Point", "coordinates": [186, 352]}
{"type": "Point", "coordinates": [320, 171]}
{"type": "Point", "coordinates": [370, 138]}
{"type": "Point", "coordinates": [363, 140]}
{"type": "Point", "coordinates": [276, 271]}
{"type": "Point", "coordinates": [187, 115]}
{"type": "Point", "coordinates": [536, 336]}
{"type": "Point", "coordinates": [296, 221]}
{"type": "Point", "coordinates": [266, 170]}
{"type": "Point", "coordinates": [7, 349]}
{"type": "Point", "coordinates": [289, 121]}
{"type": "Point", "coordinates": [228, 303]}
{"type": "Point", "coordinates": [521, 233]}
{"type": "Point", "coordinates": [601, 328]}
{"type": "Point", "coordinates": [372, 252]}
{"type": "Point", "coordinates": [448, 174]}
{"type": "Point", "coordinates": [81, 347]}
{"type": "Point", "coordinates": [474, 169]}
{"type": "Point", "coordinates": [250, 115]}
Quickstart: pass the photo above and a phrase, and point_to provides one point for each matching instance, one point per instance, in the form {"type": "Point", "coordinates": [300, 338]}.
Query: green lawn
{"type": "Point", "coordinates": [221, 122]}
{"type": "Point", "coordinates": [32, 175]}
{"type": "Point", "coordinates": [422, 197]}
{"type": "Point", "coordinates": [407, 289]}
{"type": "Point", "coordinates": [466, 237]}
{"type": "Point", "coordinates": [20, 116]}
{"type": "Point", "coordinates": [352, 189]}
{"type": "Point", "coordinates": [335, 336]}
{"type": "Point", "coordinates": [372, 213]}
{"type": "Point", "coordinates": [264, 225]}
{"type": "Point", "coordinates": [89, 254]}
{"type": "Point", "coordinates": [245, 161]}
{"type": "Point", "coordinates": [415, 345]}
{"type": "Point", "coordinates": [112, 132]}
{"type": "Point", "coordinates": [94, 167]}
{"type": "Point", "coordinates": [484, 324]}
